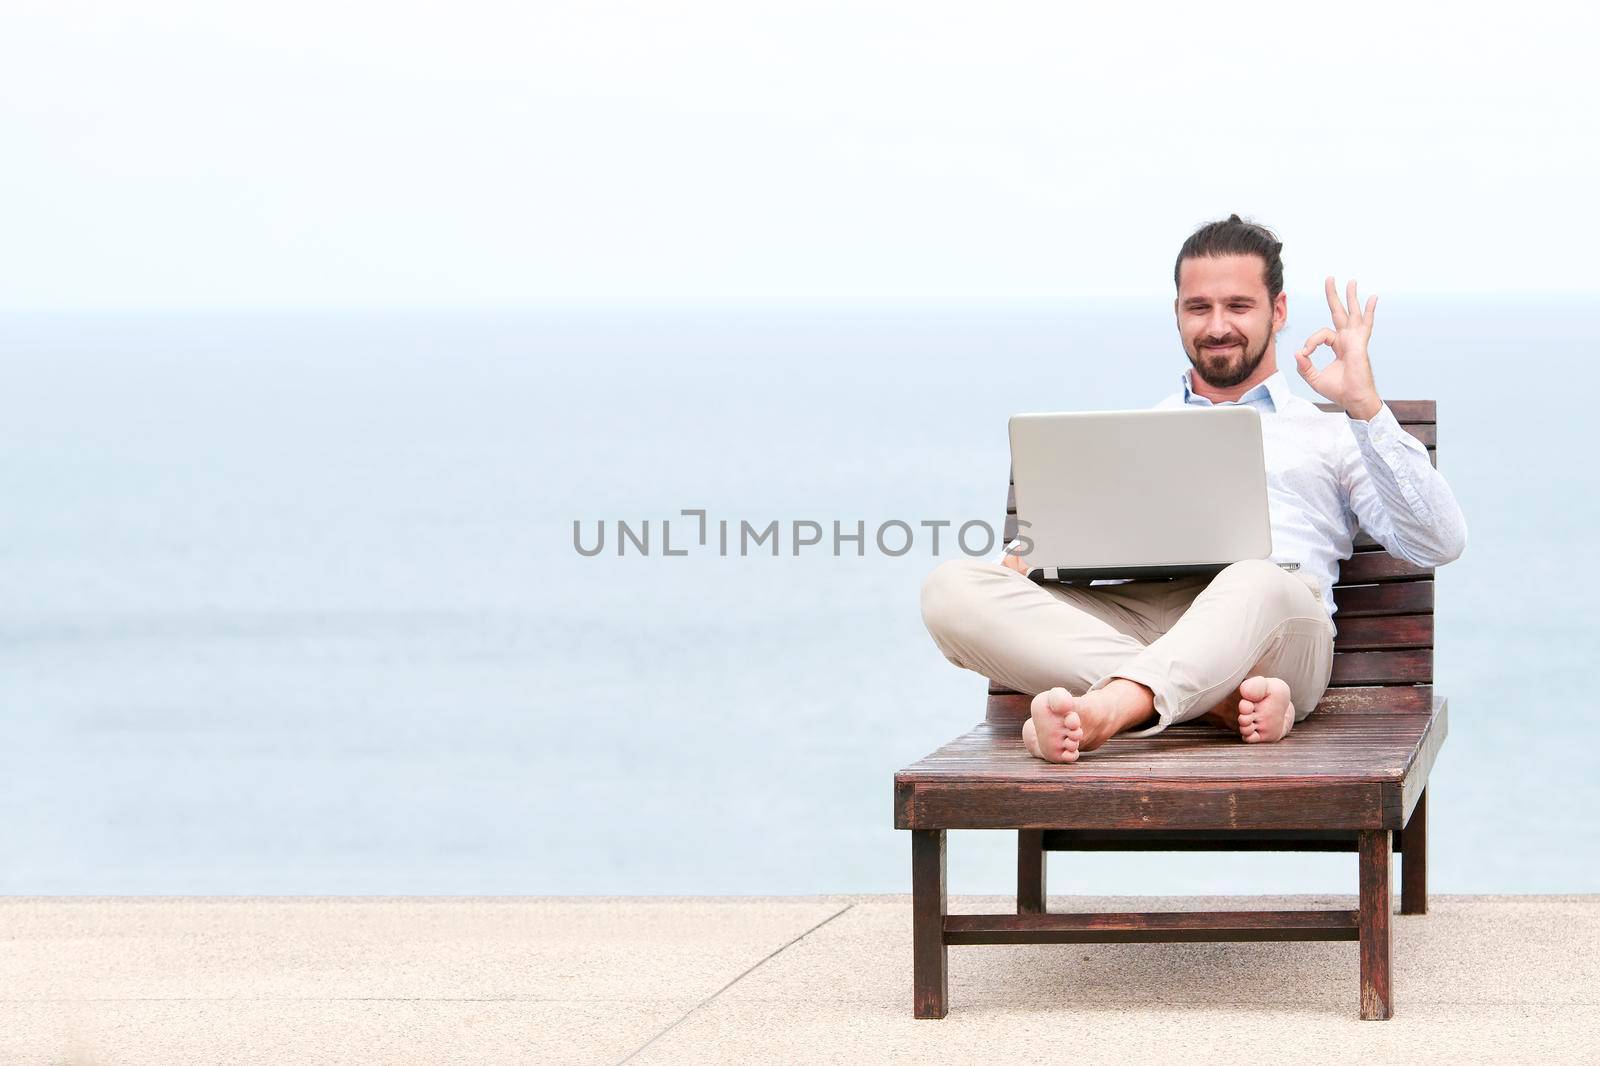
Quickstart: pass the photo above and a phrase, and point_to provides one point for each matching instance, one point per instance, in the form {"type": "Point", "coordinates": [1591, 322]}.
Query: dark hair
{"type": "Point", "coordinates": [1235, 236]}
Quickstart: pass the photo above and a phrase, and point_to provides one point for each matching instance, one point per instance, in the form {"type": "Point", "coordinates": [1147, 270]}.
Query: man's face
{"type": "Point", "coordinates": [1224, 317]}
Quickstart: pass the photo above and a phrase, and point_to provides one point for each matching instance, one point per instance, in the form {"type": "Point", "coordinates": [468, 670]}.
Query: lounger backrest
{"type": "Point", "coordinates": [1385, 616]}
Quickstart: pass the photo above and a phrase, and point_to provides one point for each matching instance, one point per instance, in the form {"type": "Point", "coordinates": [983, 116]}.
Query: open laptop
{"type": "Point", "coordinates": [1141, 494]}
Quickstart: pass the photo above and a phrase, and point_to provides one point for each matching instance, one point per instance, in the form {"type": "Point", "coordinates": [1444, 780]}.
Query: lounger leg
{"type": "Point", "coordinates": [1030, 871]}
{"type": "Point", "coordinates": [930, 978]}
{"type": "Point", "coordinates": [1414, 860]}
{"type": "Point", "coordinates": [1375, 904]}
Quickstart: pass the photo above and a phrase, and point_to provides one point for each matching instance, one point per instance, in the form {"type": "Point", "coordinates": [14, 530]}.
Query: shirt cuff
{"type": "Point", "coordinates": [1379, 429]}
{"type": "Point", "coordinates": [1001, 558]}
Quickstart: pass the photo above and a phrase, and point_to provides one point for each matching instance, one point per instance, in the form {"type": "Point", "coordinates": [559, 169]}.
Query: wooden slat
{"type": "Point", "coordinates": [1416, 417]}
{"type": "Point", "coordinates": [1405, 411]}
{"type": "Point", "coordinates": [1322, 748]}
{"type": "Point", "coordinates": [1332, 840]}
{"type": "Point", "coordinates": [1383, 667]}
{"type": "Point", "coordinates": [1368, 568]}
{"type": "Point", "coordinates": [1398, 597]}
{"type": "Point", "coordinates": [1277, 801]}
{"type": "Point", "coordinates": [1149, 927]}
{"type": "Point", "coordinates": [1376, 699]}
{"type": "Point", "coordinates": [1384, 633]}
{"type": "Point", "coordinates": [1209, 840]}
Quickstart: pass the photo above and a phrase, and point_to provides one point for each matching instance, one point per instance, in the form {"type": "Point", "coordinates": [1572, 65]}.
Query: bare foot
{"type": "Point", "coordinates": [1063, 725]}
{"type": "Point", "coordinates": [1265, 713]}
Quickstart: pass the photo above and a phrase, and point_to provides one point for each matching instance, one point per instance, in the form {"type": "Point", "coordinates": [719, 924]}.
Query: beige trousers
{"type": "Point", "coordinates": [1191, 640]}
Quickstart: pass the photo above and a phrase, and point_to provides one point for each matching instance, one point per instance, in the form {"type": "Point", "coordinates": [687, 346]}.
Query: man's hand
{"type": "Point", "coordinates": [1347, 381]}
{"type": "Point", "coordinates": [1015, 562]}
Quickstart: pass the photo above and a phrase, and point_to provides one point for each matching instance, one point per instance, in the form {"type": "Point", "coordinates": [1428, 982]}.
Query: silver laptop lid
{"type": "Point", "coordinates": [1141, 493]}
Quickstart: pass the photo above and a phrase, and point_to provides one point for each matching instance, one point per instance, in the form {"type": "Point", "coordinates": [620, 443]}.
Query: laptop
{"type": "Point", "coordinates": [1141, 494]}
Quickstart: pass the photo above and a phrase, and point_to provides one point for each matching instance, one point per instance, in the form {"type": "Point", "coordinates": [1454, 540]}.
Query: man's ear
{"type": "Point", "coordinates": [1280, 312]}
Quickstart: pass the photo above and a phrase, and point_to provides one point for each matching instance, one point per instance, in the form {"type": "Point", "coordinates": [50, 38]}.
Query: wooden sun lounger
{"type": "Point", "coordinates": [1351, 777]}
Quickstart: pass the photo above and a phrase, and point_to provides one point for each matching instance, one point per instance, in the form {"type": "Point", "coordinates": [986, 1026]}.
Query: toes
{"type": "Point", "coordinates": [1254, 688]}
{"type": "Point", "coordinates": [1073, 722]}
{"type": "Point", "coordinates": [1058, 700]}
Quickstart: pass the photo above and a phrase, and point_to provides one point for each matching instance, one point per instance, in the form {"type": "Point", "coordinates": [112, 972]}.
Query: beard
{"type": "Point", "coordinates": [1218, 372]}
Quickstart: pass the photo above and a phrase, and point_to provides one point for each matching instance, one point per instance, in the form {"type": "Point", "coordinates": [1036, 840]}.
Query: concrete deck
{"type": "Point", "coordinates": [484, 981]}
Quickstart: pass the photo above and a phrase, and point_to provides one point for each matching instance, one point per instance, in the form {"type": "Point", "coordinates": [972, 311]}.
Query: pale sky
{"type": "Point", "coordinates": [171, 155]}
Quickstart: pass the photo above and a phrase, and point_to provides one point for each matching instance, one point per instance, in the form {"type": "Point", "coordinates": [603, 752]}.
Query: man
{"type": "Point", "coordinates": [1250, 648]}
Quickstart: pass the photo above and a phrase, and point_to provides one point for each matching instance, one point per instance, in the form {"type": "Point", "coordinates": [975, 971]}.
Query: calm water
{"type": "Point", "coordinates": [290, 604]}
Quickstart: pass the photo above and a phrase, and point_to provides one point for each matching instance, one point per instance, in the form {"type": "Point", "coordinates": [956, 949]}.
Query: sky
{"type": "Point", "coordinates": [191, 155]}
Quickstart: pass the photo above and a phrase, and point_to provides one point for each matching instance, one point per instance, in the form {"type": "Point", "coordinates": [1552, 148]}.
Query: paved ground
{"type": "Point", "coordinates": [123, 982]}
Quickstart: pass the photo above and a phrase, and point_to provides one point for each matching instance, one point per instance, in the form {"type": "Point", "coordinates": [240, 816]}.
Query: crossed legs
{"type": "Point", "coordinates": [1249, 649]}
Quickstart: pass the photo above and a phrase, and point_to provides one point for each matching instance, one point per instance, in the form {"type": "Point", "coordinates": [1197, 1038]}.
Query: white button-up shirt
{"type": "Point", "coordinates": [1330, 475]}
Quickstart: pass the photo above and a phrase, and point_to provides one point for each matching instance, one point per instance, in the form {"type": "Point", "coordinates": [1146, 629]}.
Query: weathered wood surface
{"type": "Point", "coordinates": [1338, 771]}
{"type": "Point", "coordinates": [1326, 840]}
{"type": "Point", "coordinates": [1400, 597]}
{"type": "Point", "coordinates": [1376, 1001]}
{"type": "Point", "coordinates": [1413, 849]}
{"type": "Point", "coordinates": [929, 905]}
{"type": "Point", "coordinates": [1032, 886]}
{"type": "Point", "coordinates": [1130, 927]}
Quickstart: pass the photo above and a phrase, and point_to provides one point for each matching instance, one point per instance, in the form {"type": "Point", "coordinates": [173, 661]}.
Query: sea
{"type": "Point", "coordinates": [308, 603]}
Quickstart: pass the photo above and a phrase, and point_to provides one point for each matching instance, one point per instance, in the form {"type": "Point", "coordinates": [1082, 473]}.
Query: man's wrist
{"type": "Point", "coordinates": [1365, 410]}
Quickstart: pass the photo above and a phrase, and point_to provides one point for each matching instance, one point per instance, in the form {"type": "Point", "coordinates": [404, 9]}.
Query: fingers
{"type": "Point", "coordinates": [1372, 306]}
{"type": "Point", "coordinates": [1339, 315]}
{"type": "Point", "coordinates": [1352, 299]}
{"type": "Point", "coordinates": [1315, 341]}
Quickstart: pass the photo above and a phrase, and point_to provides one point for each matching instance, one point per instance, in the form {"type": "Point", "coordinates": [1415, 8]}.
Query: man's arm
{"type": "Point", "coordinates": [1393, 490]}
{"type": "Point", "coordinates": [1397, 495]}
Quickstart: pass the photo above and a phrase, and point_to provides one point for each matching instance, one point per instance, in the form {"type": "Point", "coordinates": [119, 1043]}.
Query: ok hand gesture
{"type": "Point", "coordinates": [1347, 381]}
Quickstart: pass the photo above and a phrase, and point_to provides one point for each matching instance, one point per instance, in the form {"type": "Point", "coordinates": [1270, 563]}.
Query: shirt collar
{"type": "Point", "coordinates": [1275, 388]}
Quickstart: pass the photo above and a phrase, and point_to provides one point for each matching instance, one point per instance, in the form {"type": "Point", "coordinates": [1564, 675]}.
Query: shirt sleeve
{"type": "Point", "coordinates": [1397, 495]}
